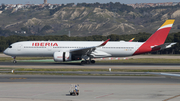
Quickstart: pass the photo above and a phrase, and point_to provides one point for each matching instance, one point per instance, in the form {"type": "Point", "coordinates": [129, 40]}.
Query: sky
{"type": "Point", "coordinates": [81, 1]}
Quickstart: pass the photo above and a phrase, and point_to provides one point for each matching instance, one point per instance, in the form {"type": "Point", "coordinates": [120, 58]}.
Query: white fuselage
{"type": "Point", "coordinates": [47, 48]}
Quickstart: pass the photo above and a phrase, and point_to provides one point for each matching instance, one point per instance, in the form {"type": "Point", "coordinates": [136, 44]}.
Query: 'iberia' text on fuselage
{"type": "Point", "coordinates": [44, 44]}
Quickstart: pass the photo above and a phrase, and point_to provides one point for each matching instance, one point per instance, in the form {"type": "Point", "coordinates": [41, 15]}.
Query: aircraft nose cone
{"type": "Point", "coordinates": [6, 52]}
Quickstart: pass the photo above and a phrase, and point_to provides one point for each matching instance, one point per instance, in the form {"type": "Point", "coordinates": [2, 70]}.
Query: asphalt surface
{"type": "Point", "coordinates": [78, 64]}
{"type": "Point", "coordinates": [92, 88]}
{"type": "Point", "coordinates": [77, 72]}
{"type": "Point", "coordinates": [86, 73]}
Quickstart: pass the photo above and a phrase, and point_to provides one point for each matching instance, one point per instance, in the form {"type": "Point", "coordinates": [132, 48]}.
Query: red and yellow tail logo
{"type": "Point", "coordinates": [168, 23]}
{"type": "Point", "coordinates": [160, 35]}
{"type": "Point", "coordinates": [156, 39]}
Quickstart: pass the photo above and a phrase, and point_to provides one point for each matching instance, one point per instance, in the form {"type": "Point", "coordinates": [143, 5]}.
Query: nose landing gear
{"type": "Point", "coordinates": [14, 61]}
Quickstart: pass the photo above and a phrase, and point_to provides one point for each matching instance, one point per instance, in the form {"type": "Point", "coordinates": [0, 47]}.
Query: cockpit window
{"type": "Point", "coordinates": [10, 46]}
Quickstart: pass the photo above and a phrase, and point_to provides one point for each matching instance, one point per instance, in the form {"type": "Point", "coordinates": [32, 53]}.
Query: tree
{"type": "Point", "coordinates": [177, 39]}
{"type": "Point", "coordinates": [178, 26]}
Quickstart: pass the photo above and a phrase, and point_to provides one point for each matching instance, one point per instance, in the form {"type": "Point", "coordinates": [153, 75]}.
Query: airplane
{"type": "Point", "coordinates": [131, 40]}
{"type": "Point", "coordinates": [63, 51]}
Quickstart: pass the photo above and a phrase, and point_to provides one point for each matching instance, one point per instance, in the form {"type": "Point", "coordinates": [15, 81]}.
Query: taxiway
{"type": "Point", "coordinates": [92, 88]}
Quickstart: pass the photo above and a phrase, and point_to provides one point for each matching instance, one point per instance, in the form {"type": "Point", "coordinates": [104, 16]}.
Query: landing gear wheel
{"type": "Point", "coordinates": [14, 61]}
{"type": "Point", "coordinates": [83, 62]}
{"type": "Point", "coordinates": [93, 61]}
{"type": "Point", "coordinates": [88, 62]}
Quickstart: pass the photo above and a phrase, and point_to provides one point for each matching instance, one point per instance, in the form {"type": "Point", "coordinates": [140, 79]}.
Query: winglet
{"type": "Point", "coordinates": [131, 40]}
{"type": "Point", "coordinates": [104, 43]}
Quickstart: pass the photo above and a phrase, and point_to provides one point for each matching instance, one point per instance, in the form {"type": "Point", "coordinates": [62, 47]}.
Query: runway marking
{"type": "Point", "coordinates": [104, 95]}
{"type": "Point", "coordinates": [17, 78]}
{"type": "Point", "coordinates": [172, 98]}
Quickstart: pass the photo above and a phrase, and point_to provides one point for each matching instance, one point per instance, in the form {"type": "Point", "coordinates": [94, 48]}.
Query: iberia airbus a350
{"type": "Point", "coordinates": [86, 50]}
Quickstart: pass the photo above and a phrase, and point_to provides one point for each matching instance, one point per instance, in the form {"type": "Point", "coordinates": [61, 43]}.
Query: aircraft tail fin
{"type": "Point", "coordinates": [161, 34]}
{"type": "Point", "coordinates": [131, 40]}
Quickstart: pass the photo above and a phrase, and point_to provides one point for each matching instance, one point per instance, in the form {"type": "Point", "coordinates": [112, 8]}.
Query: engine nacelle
{"type": "Point", "coordinates": [62, 56]}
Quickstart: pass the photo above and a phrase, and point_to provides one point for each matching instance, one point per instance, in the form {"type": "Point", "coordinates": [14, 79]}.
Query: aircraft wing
{"type": "Point", "coordinates": [163, 46]}
{"type": "Point", "coordinates": [165, 74]}
{"type": "Point", "coordinates": [87, 50]}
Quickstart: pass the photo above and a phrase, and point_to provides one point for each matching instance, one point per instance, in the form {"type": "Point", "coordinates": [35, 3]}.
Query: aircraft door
{"type": "Point", "coordinates": [19, 47]}
{"type": "Point", "coordinates": [49, 48]}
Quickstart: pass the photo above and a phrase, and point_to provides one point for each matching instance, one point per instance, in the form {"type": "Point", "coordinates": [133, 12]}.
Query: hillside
{"type": "Point", "coordinates": [86, 19]}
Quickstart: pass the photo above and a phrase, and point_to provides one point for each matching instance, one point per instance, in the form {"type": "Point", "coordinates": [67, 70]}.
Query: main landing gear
{"type": "Point", "coordinates": [14, 61]}
{"type": "Point", "coordinates": [88, 62]}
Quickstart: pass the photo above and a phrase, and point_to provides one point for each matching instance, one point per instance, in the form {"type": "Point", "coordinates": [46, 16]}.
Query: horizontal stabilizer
{"type": "Point", "coordinates": [163, 46]}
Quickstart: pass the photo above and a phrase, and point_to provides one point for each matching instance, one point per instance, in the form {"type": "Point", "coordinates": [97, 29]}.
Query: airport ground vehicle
{"type": "Point", "coordinates": [74, 89]}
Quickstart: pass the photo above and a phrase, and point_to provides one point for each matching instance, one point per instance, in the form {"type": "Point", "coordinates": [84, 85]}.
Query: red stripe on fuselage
{"type": "Point", "coordinates": [158, 38]}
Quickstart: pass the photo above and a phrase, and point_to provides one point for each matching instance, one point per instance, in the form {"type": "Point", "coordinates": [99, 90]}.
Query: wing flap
{"type": "Point", "coordinates": [99, 54]}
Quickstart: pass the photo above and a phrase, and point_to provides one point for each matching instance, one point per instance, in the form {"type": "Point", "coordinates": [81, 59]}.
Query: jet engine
{"type": "Point", "coordinates": [62, 56]}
